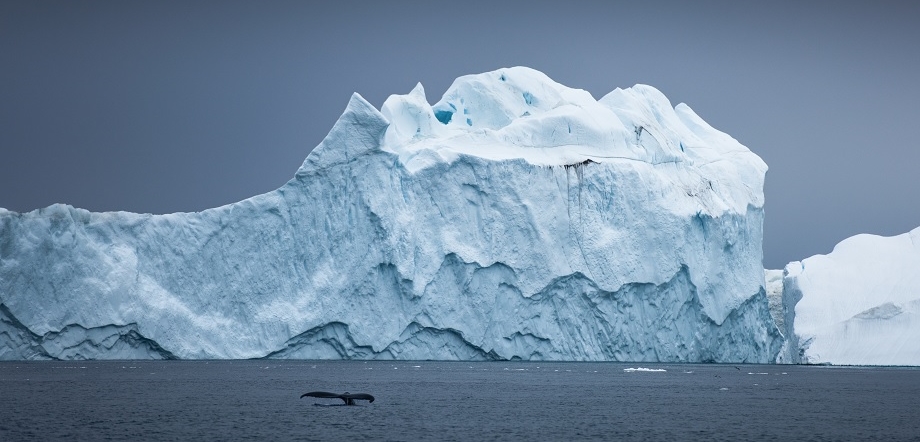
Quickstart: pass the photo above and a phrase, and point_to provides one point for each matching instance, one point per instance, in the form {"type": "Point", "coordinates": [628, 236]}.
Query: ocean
{"type": "Point", "coordinates": [454, 401]}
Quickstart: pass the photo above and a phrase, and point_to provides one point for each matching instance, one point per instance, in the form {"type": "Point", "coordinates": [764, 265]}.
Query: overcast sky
{"type": "Point", "coordinates": [180, 106]}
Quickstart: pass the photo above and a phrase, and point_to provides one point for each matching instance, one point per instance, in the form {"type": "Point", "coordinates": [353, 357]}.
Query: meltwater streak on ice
{"type": "Point", "coordinates": [514, 219]}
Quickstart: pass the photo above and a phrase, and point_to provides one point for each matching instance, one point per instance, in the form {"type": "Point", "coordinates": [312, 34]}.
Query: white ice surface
{"type": "Point", "coordinates": [537, 223]}
{"type": "Point", "coordinates": [859, 304]}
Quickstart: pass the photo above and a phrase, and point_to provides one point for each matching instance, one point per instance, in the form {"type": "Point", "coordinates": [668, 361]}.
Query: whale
{"type": "Point", "coordinates": [349, 398]}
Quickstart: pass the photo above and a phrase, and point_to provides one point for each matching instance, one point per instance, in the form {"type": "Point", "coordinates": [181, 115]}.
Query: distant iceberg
{"type": "Point", "coordinates": [515, 218]}
{"type": "Point", "coordinates": [858, 305]}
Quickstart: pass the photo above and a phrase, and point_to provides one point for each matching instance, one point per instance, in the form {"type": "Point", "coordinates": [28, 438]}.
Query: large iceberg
{"type": "Point", "coordinates": [858, 305]}
{"type": "Point", "coordinates": [516, 218]}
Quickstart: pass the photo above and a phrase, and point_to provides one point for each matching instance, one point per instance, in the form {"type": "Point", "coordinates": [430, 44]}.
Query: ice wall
{"type": "Point", "coordinates": [858, 305]}
{"type": "Point", "coordinates": [774, 285]}
{"type": "Point", "coordinates": [516, 218]}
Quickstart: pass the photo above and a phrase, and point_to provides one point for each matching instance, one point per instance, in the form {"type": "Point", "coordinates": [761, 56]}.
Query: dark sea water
{"type": "Point", "coordinates": [259, 400]}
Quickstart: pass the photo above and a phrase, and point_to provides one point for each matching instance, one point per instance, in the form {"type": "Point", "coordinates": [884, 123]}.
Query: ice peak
{"type": "Point", "coordinates": [493, 100]}
{"type": "Point", "coordinates": [521, 113]}
{"type": "Point", "coordinates": [360, 129]}
{"type": "Point", "coordinates": [410, 117]}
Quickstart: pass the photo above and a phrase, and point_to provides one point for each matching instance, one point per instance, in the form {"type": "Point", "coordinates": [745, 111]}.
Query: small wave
{"type": "Point", "coordinates": [630, 370]}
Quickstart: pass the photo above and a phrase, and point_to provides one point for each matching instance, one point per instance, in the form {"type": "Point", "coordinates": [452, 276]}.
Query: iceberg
{"type": "Point", "coordinates": [858, 305]}
{"type": "Point", "coordinates": [516, 218]}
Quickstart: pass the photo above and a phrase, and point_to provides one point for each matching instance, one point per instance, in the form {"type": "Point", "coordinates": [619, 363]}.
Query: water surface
{"type": "Point", "coordinates": [222, 400]}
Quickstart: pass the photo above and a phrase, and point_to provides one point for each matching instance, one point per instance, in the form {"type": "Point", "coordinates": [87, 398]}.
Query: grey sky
{"type": "Point", "coordinates": [181, 106]}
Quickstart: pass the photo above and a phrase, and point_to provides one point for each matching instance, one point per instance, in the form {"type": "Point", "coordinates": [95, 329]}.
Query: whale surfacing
{"type": "Point", "coordinates": [349, 398]}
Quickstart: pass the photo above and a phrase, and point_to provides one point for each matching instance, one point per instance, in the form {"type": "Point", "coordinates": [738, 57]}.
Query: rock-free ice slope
{"type": "Point", "coordinates": [516, 218]}
{"type": "Point", "coordinates": [774, 286]}
{"type": "Point", "coordinates": [858, 305]}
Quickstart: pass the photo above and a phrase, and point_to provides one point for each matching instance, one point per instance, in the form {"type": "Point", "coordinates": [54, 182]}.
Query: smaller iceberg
{"type": "Point", "coordinates": [858, 305]}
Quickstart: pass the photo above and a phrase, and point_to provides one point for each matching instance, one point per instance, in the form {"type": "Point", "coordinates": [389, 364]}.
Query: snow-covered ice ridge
{"type": "Point", "coordinates": [516, 218]}
{"type": "Point", "coordinates": [858, 305]}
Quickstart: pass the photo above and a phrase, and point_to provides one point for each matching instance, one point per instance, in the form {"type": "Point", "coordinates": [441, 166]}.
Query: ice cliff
{"type": "Point", "coordinates": [858, 305]}
{"type": "Point", "coordinates": [516, 218]}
